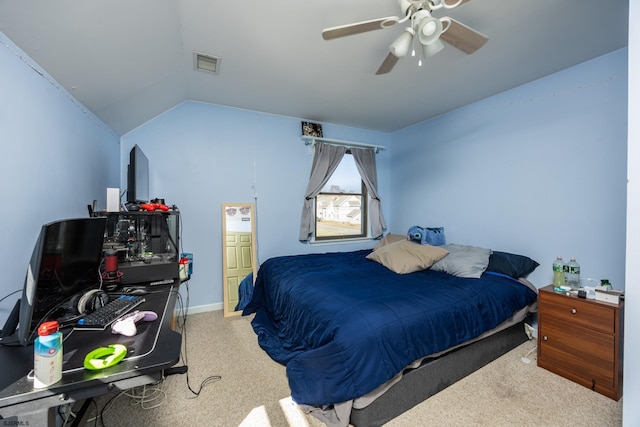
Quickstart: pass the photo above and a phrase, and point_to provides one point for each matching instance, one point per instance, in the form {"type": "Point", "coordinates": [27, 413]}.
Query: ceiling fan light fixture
{"type": "Point", "coordinates": [432, 48]}
{"type": "Point", "coordinates": [429, 30]}
{"type": "Point", "coordinates": [425, 34]}
{"type": "Point", "coordinates": [401, 45]}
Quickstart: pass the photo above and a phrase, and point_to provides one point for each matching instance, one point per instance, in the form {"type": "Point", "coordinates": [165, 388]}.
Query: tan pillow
{"type": "Point", "coordinates": [406, 256]}
{"type": "Point", "coordinates": [388, 239]}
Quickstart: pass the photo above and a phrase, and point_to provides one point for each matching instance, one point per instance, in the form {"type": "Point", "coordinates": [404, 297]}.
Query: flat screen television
{"type": "Point", "coordinates": [65, 261]}
{"type": "Point", "coordinates": [138, 177]}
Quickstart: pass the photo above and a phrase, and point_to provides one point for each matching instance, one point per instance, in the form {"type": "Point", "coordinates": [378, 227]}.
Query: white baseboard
{"type": "Point", "coordinates": [204, 308]}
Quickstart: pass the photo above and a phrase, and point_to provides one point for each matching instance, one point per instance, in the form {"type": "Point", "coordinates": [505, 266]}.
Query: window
{"type": "Point", "coordinates": [341, 205]}
{"type": "Point", "coordinates": [327, 160]}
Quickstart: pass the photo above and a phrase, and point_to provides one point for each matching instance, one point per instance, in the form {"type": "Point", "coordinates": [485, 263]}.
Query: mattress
{"type": "Point", "coordinates": [344, 325]}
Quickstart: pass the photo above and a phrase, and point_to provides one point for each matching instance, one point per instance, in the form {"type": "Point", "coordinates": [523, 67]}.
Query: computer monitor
{"type": "Point", "coordinates": [65, 261]}
{"type": "Point", "coordinates": [138, 177]}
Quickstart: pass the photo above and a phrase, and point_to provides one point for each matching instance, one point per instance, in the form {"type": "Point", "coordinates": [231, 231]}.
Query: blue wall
{"type": "Point", "coordinates": [203, 155]}
{"type": "Point", "coordinates": [56, 159]}
{"type": "Point", "coordinates": [538, 170]}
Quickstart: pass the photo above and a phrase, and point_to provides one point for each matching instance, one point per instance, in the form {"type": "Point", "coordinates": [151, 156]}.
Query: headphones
{"type": "Point", "coordinates": [89, 301]}
{"type": "Point", "coordinates": [105, 357]}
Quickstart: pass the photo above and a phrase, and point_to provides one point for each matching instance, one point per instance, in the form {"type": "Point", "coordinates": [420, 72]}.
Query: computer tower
{"type": "Point", "coordinates": [146, 243]}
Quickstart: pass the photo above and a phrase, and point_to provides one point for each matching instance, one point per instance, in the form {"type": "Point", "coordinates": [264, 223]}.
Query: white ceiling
{"type": "Point", "coordinates": [130, 60]}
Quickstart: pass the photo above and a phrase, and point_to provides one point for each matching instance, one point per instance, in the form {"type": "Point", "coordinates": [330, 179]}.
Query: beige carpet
{"type": "Point", "coordinates": [253, 391]}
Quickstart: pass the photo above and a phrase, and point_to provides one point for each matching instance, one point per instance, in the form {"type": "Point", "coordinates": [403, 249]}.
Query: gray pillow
{"type": "Point", "coordinates": [463, 261]}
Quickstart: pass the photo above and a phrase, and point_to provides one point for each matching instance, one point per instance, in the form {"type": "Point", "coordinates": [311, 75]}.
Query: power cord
{"type": "Point", "coordinates": [183, 313]}
{"type": "Point", "coordinates": [532, 335]}
{"type": "Point", "coordinates": [525, 358]}
{"type": "Point", "coordinates": [146, 396]}
{"type": "Point", "coordinates": [183, 354]}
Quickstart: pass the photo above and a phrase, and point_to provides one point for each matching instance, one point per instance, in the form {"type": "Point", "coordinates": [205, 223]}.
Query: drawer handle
{"type": "Point", "coordinates": [574, 311]}
{"type": "Point", "coordinates": [545, 338]}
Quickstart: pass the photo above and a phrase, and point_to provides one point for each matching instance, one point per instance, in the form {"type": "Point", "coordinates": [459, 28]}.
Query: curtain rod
{"type": "Point", "coordinates": [309, 140]}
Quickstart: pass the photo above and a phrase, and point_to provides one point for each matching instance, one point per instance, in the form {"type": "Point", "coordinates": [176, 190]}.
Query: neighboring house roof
{"type": "Point", "coordinates": [339, 201]}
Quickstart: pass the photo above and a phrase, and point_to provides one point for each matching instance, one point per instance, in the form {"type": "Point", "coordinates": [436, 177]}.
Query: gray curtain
{"type": "Point", "coordinates": [325, 161]}
{"type": "Point", "coordinates": [366, 163]}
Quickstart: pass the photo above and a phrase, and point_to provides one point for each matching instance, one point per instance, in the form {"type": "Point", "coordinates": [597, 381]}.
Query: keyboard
{"type": "Point", "coordinates": [113, 310]}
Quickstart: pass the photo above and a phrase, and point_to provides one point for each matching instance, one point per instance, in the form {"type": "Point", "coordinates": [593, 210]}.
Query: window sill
{"type": "Point", "coordinates": [339, 241]}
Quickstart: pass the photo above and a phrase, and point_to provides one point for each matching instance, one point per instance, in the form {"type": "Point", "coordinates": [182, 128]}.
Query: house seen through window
{"type": "Point", "coordinates": [341, 206]}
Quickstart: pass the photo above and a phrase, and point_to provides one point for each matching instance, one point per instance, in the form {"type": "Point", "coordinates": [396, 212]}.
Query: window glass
{"type": "Point", "coordinates": [341, 205]}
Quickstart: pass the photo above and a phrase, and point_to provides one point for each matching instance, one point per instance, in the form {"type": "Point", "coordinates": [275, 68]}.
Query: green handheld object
{"type": "Point", "coordinates": [105, 357]}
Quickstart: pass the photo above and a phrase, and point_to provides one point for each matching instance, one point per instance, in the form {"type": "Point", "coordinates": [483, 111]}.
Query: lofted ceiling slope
{"type": "Point", "coordinates": [128, 61]}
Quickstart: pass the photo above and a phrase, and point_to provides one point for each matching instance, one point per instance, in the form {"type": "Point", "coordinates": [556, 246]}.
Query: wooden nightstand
{"type": "Point", "coordinates": [581, 340]}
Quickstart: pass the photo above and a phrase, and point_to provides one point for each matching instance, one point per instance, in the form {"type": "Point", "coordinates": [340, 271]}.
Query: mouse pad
{"type": "Point", "coordinates": [80, 342]}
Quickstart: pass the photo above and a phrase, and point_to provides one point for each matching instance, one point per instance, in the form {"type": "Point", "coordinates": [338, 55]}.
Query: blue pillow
{"type": "Point", "coordinates": [427, 235]}
{"type": "Point", "coordinates": [511, 264]}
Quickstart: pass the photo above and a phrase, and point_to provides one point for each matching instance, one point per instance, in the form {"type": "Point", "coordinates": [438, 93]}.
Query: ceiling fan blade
{"type": "Point", "coordinates": [452, 2]}
{"type": "Point", "coordinates": [359, 27]}
{"type": "Point", "coordinates": [464, 38]}
{"type": "Point", "coordinates": [388, 64]}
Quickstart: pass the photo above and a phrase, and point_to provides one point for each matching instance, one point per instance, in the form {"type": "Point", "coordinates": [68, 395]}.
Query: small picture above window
{"type": "Point", "coordinates": [312, 129]}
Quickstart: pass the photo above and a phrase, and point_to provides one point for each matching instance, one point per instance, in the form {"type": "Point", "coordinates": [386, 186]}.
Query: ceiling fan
{"type": "Point", "coordinates": [428, 31]}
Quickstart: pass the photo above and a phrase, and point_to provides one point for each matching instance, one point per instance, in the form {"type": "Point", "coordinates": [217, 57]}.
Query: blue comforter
{"type": "Point", "coordinates": [343, 324]}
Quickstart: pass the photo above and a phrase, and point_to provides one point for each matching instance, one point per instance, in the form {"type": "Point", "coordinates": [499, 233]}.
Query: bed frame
{"type": "Point", "coordinates": [435, 375]}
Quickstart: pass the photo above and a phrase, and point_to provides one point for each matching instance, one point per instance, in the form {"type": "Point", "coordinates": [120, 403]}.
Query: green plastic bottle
{"type": "Point", "coordinates": [558, 272]}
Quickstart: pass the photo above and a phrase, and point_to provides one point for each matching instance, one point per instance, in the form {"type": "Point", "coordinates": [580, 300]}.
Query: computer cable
{"type": "Point", "coordinates": [34, 332]}
{"type": "Point", "coordinates": [46, 317]}
{"type": "Point", "coordinates": [183, 353]}
{"type": "Point", "coordinates": [141, 395]}
{"type": "Point", "coordinates": [183, 311]}
{"type": "Point", "coordinates": [525, 358]}
{"type": "Point", "coordinates": [12, 319]}
{"type": "Point", "coordinates": [9, 294]}
{"type": "Point", "coordinates": [147, 396]}
{"type": "Point", "coordinates": [51, 311]}
{"type": "Point", "coordinates": [165, 227]}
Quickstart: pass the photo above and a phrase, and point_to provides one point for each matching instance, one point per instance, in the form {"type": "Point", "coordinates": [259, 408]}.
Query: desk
{"type": "Point", "coordinates": [155, 348]}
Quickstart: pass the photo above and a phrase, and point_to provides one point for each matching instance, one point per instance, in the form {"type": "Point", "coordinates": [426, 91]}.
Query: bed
{"type": "Point", "coordinates": [363, 340]}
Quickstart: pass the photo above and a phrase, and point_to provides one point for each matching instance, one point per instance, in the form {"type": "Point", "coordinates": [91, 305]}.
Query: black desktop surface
{"type": "Point", "coordinates": [155, 347]}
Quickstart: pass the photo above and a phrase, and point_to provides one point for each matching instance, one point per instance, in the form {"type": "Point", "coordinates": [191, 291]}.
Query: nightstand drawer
{"type": "Point", "coordinates": [579, 312]}
{"type": "Point", "coordinates": [586, 353]}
